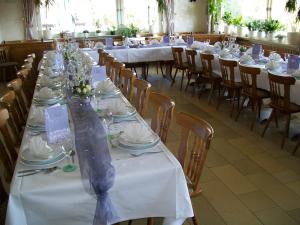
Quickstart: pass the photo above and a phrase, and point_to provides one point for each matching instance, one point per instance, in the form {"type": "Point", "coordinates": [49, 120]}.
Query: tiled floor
{"type": "Point", "coordinates": [247, 179]}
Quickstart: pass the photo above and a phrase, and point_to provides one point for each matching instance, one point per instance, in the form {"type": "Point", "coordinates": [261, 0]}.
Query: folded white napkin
{"type": "Point", "coordinates": [273, 65]}
{"type": "Point", "coordinates": [208, 49]}
{"type": "Point", "coordinates": [249, 51]}
{"type": "Point", "coordinates": [44, 80]}
{"type": "Point", "coordinates": [118, 108]}
{"type": "Point", "coordinates": [136, 133]}
{"type": "Point", "coordinates": [275, 57]}
{"type": "Point", "coordinates": [48, 71]}
{"type": "Point", "coordinates": [179, 41]}
{"type": "Point", "coordinates": [45, 93]}
{"type": "Point", "coordinates": [105, 86]}
{"type": "Point", "coordinates": [37, 116]}
{"type": "Point", "coordinates": [197, 45]}
{"type": "Point", "coordinates": [218, 45]}
{"type": "Point", "coordinates": [154, 42]}
{"type": "Point", "coordinates": [247, 59]}
{"type": "Point", "coordinates": [225, 53]}
{"type": "Point", "coordinates": [39, 148]}
{"type": "Point", "coordinates": [297, 73]}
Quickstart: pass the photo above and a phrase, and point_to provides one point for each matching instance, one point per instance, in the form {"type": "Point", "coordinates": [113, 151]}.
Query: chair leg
{"type": "Point", "coordinates": [182, 76]}
{"type": "Point", "coordinates": [195, 221]}
{"type": "Point", "coordinates": [287, 127]}
{"type": "Point", "coordinates": [211, 92]}
{"type": "Point", "coordinates": [173, 79]}
{"type": "Point", "coordinates": [221, 98]}
{"type": "Point", "coordinates": [129, 222]}
{"type": "Point", "coordinates": [241, 108]}
{"type": "Point", "coordinates": [189, 76]}
{"type": "Point", "coordinates": [276, 119]}
{"type": "Point", "coordinates": [233, 102]}
{"type": "Point", "coordinates": [150, 221]}
{"type": "Point", "coordinates": [268, 122]}
{"type": "Point", "coordinates": [256, 109]}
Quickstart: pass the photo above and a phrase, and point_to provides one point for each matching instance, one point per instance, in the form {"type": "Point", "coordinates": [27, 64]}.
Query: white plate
{"type": "Point", "coordinates": [28, 157]}
{"type": "Point", "coordinates": [60, 158]}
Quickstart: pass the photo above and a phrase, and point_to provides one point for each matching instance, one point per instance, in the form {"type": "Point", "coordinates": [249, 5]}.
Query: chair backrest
{"type": "Point", "coordinates": [3, 55]}
{"type": "Point", "coordinates": [17, 86]}
{"type": "Point", "coordinates": [280, 87]}
{"type": "Point", "coordinates": [227, 71]}
{"type": "Point", "coordinates": [100, 51]}
{"type": "Point", "coordinates": [141, 91]}
{"type": "Point", "coordinates": [115, 72]}
{"type": "Point", "coordinates": [102, 58]}
{"type": "Point", "coordinates": [206, 60]}
{"type": "Point", "coordinates": [126, 80]}
{"type": "Point", "coordinates": [9, 101]}
{"type": "Point", "coordinates": [191, 57]}
{"type": "Point", "coordinates": [8, 166]}
{"type": "Point", "coordinates": [163, 107]}
{"type": "Point", "coordinates": [108, 64]}
{"type": "Point", "coordinates": [249, 80]}
{"type": "Point", "coordinates": [24, 75]}
{"type": "Point", "coordinates": [8, 138]}
{"type": "Point", "coordinates": [177, 56]}
{"type": "Point", "coordinates": [196, 135]}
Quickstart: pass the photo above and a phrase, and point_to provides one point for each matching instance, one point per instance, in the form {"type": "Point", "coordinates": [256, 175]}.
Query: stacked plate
{"type": "Point", "coordinates": [131, 111]}
{"type": "Point", "coordinates": [28, 158]}
{"type": "Point", "coordinates": [47, 101]}
{"type": "Point", "coordinates": [36, 128]}
{"type": "Point", "coordinates": [110, 94]}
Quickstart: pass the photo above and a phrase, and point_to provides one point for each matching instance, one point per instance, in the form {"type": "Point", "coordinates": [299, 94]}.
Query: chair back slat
{"type": "Point", "coordinates": [17, 86]}
{"type": "Point", "coordinates": [7, 163]}
{"type": "Point", "coordinates": [102, 58]}
{"type": "Point", "coordinates": [227, 72]}
{"type": "Point", "coordinates": [200, 133]}
{"type": "Point", "coordinates": [177, 56]}
{"type": "Point", "coordinates": [280, 87]}
{"type": "Point", "coordinates": [126, 80]}
{"type": "Point", "coordinates": [206, 60]}
{"type": "Point", "coordinates": [163, 108]}
{"type": "Point", "coordinates": [191, 59]}
{"type": "Point", "coordinates": [249, 80]}
{"type": "Point", "coordinates": [115, 72]}
{"type": "Point", "coordinates": [141, 91]}
{"type": "Point", "coordinates": [3, 55]}
{"type": "Point", "coordinates": [108, 64]}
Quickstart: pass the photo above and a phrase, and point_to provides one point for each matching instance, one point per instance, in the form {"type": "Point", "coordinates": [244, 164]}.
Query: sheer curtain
{"type": "Point", "coordinates": [170, 16]}
{"type": "Point", "coordinates": [28, 9]}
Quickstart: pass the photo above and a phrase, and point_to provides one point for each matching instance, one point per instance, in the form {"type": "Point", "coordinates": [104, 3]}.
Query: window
{"type": "Point", "coordinates": [74, 16]}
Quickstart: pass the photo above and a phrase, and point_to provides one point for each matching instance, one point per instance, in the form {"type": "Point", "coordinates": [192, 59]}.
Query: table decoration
{"type": "Point", "coordinates": [247, 59]}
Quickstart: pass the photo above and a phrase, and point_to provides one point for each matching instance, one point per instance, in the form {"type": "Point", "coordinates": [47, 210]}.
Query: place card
{"type": "Point", "coordinates": [57, 123]}
{"type": "Point", "coordinates": [98, 74]}
{"type": "Point", "coordinates": [166, 39]}
{"type": "Point", "coordinates": [109, 43]}
{"type": "Point", "coordinates": [293, 63]}
{"type": "Point", "coordinates": [256, 50]}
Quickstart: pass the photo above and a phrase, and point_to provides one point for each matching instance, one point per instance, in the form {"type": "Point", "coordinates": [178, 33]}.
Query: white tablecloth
{"type": "Point", "coordinates": [151, 185]}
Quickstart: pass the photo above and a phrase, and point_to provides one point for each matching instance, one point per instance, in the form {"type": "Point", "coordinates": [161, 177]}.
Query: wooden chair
{"type": "Point", "coordinates": [23, 74]}
{"type": "Point", "coordinates": [108, 65]}
{"type": "Point", "coordinates": [102, 58]}
{"type": "Point", "coordinates": [126, 80]}
{"type": "Point", "coordinates": [250, 90]}
{"type": "Point", "coordinates": [179, 64]}
{"type": "Point", "coordinates": [228, 83]}
{"type": "Point", "coordinates": [8, 165]}
{"type": "Point", "coordinates": [9, 101]}
{"type": "Point", "coordinates": [163, 108]}
{"type": "Point", "coordinates": [100, 63]}
{"type": "Point", "coordinates": [199, 133]}
{"type": "Point", "coordinates": [193, 70]}
{"type": "Point", "coordinates": [208, 74]}
{"type": "Point", "coordinates": [280, 87]}
{"type": "Point", "coordinates": [115, 72]}
{"type": "Point", "coordinates": [6, 67]}
{"type": "Point", "coordinates": [9, 137]}
{"type": "Point", "coordinates": [141, 91]}
{"type": "Point", "coordinates": [17, 86]}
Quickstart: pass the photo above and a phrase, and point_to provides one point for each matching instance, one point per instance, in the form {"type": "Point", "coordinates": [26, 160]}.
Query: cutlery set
{"type": "Point", "coordinates": [29, 172]}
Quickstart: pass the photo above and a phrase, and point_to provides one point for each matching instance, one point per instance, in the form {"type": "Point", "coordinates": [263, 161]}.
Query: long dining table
{"type": "Point", "coordinates": [164, 53]}
{"type": "Point", "coordinates": [146, 185]}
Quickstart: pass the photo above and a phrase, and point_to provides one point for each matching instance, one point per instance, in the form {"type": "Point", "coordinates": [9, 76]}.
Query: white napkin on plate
{"type": "Point", "coordinates": [105, 86]}
{"type": "Point", "coordinates": [39, 148]}
{"type": "Point", "coordinates": [37, 116]}
{"type": "Point", "coordinates": [197, 45]}
{"type": "Point", "coordinates": [45, 93]}
{"type": "Point", "coordinates": [208, 49]}
{"type": "Point", "coordinates": [225, 53]}
{"type": "Point", "coordinates": [99, 44]}
{"type": "Point", "coordinates": [118, 108]}
{"type": "Point", "coordinates": [218, 45]}
{"type": "Point", "coordinates": [273, 65]}
{"type": "Point", "coordinates": [275, 57]}
{"type": "Point", "coordinates": [249, 51]}
{"type": "Point", "coordinates": [179, 41]}
{"type": "Point", "coordinates": [44, 80]}
{"type": "Point", "coordinates": [247, 59]}
{"type": "Point", "coordinates": [154, 42]}
{"type": "Point", "coordinates": [136, 133]}
{"type": "Point", "coordinates": [48, 71]}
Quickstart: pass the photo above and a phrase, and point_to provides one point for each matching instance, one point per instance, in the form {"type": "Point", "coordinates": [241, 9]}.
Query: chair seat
{"type": "Point", "coordinates": [260, 93]}
{"type": "Point", "coordinates": [236, 85]}
{"type": "Point", "coordinates": [292, 108]}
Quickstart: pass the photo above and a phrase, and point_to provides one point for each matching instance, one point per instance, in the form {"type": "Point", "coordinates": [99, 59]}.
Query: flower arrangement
{"type": "Point", "coordinates": [83, 89]}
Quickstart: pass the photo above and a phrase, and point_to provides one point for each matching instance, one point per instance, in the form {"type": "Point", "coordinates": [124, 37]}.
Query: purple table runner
{"type": "Point", "coordinates": [94, 159]}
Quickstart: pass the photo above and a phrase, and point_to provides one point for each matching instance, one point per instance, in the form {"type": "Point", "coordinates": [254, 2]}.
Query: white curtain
{"type": "Point", "coordinates": [28, 9]}
{"type": "Point", "coordinates": [170, 16]}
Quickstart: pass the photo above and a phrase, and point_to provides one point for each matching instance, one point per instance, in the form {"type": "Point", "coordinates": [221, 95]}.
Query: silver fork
{"type": "Point", "coordinates": [25, 173]}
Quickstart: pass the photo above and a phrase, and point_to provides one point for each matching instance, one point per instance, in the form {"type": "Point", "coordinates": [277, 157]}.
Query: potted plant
{"type": "Point", "coordinates": [227, 18]}
{"type": "Point", "coordinates": [237, 22]}
{"type": "Point", "coordinates": [291, 7]}
{"type": "Point", "coordinates": [214, 12]}
{"type": "Point", "coordinates": [271, 26]}
{"type": "Point", "coordinates": [252, 27]}
{"type": "Point", "coordinates": [260, 27]}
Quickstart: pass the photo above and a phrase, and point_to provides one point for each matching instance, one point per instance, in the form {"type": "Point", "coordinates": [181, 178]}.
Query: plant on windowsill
{"type": "Point", "coordinates": [271, 26]}
{"type": "Point", "coordinates": [238, 23]}
{"type": "Point", "coordinates": [214, 11]}
{"type": "Point", "coordinates": [291, 7]}
{"type": "Point", "coordinates": [252, 27]}
{"type": "Point", "coordinates": [128, 31]}
{"type": "Point", "coordinates": [227, 18]}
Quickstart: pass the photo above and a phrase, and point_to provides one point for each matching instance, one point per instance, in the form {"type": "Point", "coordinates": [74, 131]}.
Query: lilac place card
{"type": "Point", "coordinates": [57, 123]}
{"type": "Point", "coordinates": [109, 43]}
{"type": "Point", "coordinates": [98, 74]}
{"type": "Point", "coordinates": [166, 39]}
{"type": "Point", "coordinates": [256, 50]}
{"type": "Point", "coordinates": [293, 63]}
{"type": "Point", "coordinates": [190, 40]}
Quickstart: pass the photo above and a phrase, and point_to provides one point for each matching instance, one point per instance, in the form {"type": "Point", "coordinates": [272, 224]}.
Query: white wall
{"type": "Point", "coordinates": [190, 16]}
{"type": "Point", "coordinates": [11, 20]}
{"type": "Point", "coordinates": [1, 39]}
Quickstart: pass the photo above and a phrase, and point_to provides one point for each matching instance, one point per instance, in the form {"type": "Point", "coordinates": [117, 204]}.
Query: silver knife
{"type": "Point", "coordinates": [28, 174]}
